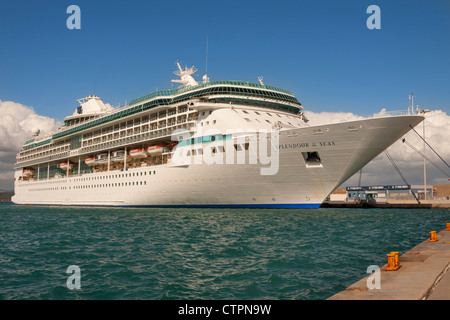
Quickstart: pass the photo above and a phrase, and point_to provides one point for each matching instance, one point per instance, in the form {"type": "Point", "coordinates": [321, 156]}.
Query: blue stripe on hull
{"type": "Point", "coordinates": [261, 206]}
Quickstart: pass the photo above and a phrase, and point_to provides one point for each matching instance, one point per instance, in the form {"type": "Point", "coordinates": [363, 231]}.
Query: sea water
{"type": "Point", "coordinates": [142, 253]}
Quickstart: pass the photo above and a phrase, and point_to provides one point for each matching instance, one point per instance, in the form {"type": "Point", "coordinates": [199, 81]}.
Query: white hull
{"type": "Point", "coordinates": [295, 185]}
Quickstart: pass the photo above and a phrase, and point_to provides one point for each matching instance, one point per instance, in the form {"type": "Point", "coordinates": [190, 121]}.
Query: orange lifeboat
{"type": "Point", "coordinates": [66, 165]}
{"type": "Point", "coordinates": [138, 153]}
{"type": "Point", "coordinates": [28, 172]}
{"type": "Point", "coordinates": [154, 150]}
{"type": "Point", "coordinates": [90, 161]}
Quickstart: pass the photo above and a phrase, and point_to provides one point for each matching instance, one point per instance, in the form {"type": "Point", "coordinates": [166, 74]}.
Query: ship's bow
{"type": "Point", "coordinates": [316, 160]}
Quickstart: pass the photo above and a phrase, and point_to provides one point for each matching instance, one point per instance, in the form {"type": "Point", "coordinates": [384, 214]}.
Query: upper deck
{"type": "Point", "coordinates": [286, 100]}
{"type": "Point", "coordinates": [156, 114]}
{"type": "Point", "coordinates": [276, 98]}
{"type": "Point", "coordinates": [245, 88]}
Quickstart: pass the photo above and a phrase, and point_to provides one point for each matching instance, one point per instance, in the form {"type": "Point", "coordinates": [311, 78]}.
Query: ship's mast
{"type": "Point", "coordinates": [205, 77]}
{"type": "Point", "coordinates": [411, 97]}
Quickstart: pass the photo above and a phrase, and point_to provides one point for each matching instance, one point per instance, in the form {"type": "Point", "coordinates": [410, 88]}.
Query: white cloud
{"type": "Point", "coordinates": [330, 117]}
{"type": "Point", "coordinates": [380, 170]}
{"type": "Point", "coordinates": [16, 124]}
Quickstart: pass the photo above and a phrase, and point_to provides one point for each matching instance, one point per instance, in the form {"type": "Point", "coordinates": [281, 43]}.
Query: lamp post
{"type": "Point", "coordinates": [424, 159]}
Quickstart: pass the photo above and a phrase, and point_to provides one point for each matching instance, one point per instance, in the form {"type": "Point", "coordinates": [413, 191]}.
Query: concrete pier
{"type": "Point", "coordinates": [391, 204]}
{"type": "Point", "coordinates": [424, 275]}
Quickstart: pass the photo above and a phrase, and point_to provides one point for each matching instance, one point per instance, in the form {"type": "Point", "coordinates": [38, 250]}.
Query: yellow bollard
{"type": "Point", "coordinates": [391, 262]}
{"type": "Point", "coordinates": [448, 227]}
{"type": "Point", "coordinates": [396, 259]}
{"type": "Point", "coordinates": [433, 236]}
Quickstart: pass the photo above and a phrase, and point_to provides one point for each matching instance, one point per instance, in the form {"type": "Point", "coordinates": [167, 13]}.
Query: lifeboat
{"type": "Point", "coordinates": [155, 150]}
{"type": "Point", "coordinates": [90, 161]}
{"type": "Point", "coordinates": [101, 158]}
{"type": "Point", "coordinates": [66, 165]}
{"type": "Point", "coordinates": [28, 172]}
{"type": "Point", "coordinates": [138, 153]}
{"type": "Point", "coordinates": [117, 155]}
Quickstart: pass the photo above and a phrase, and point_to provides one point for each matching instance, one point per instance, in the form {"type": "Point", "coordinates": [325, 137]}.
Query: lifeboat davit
{"type": "Point", "coordinates": [101, 158]}
{"type": "Point", "coordinates": [138, 153]}
{"type": "Point", "coordinates": [90, 161]}
{"type": "Point", "coordinates": [154, 150]}
{"type": "Point", "coordinates": [66, 165]}
{"type": "Point", "coordinates": [117, 155]}
{"type": "Point", "coordinates": [28, 172]}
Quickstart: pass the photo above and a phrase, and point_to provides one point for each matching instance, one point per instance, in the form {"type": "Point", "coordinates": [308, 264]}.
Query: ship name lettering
{"type": "Point", "coordinates": [294, 145]}
{"type": "Point", "coordinates": [306, 144]}
{"type": "Point", "coordinates": [327, 144]}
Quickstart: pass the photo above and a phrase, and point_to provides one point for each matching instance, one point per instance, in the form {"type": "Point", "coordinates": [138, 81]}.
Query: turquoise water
{"type": "Point", "coordinates": [125, 253]}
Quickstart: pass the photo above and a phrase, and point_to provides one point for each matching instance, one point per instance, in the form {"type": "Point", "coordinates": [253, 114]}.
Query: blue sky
{"type": "Point", "coordinates": [320, 50]}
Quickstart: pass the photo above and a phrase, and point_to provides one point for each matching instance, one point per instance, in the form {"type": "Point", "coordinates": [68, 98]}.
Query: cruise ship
{"type": "Point", "coordinates": [209, 144]}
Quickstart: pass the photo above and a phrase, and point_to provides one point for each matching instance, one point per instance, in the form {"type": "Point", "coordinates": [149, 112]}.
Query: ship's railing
{"type": "Point", "coordinates": [385, 113]}
{"type": "Point", "coordinates": [182, 112]}
{"type": "Point", "coordinates": [120, 142]}
{"type": "Point", "coordinates": [165, 93]}
{"type": "Point", "coordinates": [155, 100]}
{"type": "Point", "coordinates": [64, 177]}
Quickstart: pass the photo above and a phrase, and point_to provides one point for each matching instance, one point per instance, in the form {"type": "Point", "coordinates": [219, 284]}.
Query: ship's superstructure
{"type": "Point", "coordinates": [218, 143]}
